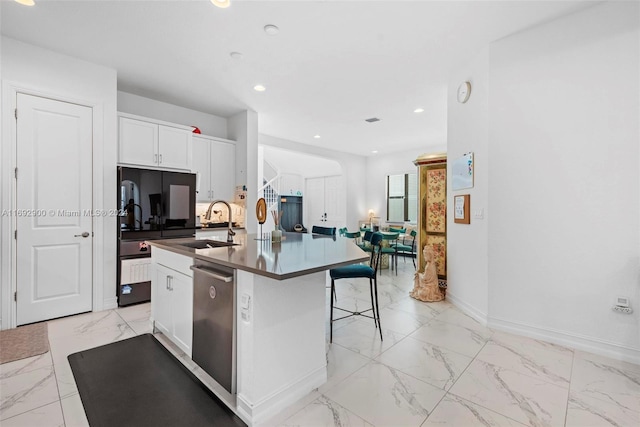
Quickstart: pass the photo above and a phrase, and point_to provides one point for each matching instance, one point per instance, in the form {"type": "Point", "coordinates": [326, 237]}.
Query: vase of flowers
{"type": "Point", "coordinates": [276, 234]}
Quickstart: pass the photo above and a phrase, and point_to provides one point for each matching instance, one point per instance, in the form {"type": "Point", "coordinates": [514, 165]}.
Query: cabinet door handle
{"type": "Point", "coordinates": [160, 158]}
{"type": "Point", "coordinates": [166, 283]}
{"type": "Point", "coordinates": [170, 282]}
{"type": "Point", "coordinates": [155, 158]}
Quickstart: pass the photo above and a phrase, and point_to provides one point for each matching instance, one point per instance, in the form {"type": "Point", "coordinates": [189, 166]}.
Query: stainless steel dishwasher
{"type": "Point", "coordinates": [214, 322]}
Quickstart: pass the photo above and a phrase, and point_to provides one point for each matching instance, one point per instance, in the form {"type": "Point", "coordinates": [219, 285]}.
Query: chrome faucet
{"type": "Point", "coordinates": [207, 216]}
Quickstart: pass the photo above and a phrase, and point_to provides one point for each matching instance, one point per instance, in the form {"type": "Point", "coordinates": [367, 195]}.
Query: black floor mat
{"type": "Point", "coordinates": [137, 382]}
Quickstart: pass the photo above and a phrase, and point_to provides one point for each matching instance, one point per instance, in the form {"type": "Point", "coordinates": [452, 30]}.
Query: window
{"type": "Point", "coordinates": [402, 198]}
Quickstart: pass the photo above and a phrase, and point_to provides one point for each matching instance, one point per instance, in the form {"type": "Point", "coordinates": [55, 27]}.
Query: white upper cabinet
{"type": "Point", "coordinates": [143, 142]}
{"type": "Point", "coordinates": [138, 142]}
{"type": "Point", "coordinates": [174, 148]}
{"type": "Point", "coordinates": [214, 160]}
{"type": "Point", "coordinates": [201, 166]}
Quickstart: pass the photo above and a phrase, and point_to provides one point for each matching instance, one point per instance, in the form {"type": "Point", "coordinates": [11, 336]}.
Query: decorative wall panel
{"type": "Point", "coordinates": [436, 214]}
{"type": "Point", "coordinates": [432, 216]}
{"type": "Point", "coordinates": [439, 244]}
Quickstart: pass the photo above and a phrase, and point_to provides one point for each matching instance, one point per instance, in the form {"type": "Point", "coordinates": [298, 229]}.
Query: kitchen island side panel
{"type": "Point", "coordinates": [281, 341]}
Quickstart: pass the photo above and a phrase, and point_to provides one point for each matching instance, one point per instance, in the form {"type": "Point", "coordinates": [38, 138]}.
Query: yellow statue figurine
{"type": "Point", "coordinates": [426, 284]}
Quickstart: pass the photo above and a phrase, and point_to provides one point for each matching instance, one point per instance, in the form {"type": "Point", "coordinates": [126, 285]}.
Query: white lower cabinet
{"type": "Point", "coordinates": [172, 305]}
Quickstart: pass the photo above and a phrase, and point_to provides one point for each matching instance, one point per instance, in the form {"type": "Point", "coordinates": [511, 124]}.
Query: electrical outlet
{"type": "Point", "coordinates": [622, 302]}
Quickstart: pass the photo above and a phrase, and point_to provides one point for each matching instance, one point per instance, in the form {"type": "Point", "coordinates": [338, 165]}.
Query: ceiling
{"type": "Point", "coordinates": [332, 65]}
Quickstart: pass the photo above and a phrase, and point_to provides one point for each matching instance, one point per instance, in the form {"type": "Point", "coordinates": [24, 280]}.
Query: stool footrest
{"type": "Point", "coordinates": [353, 313]}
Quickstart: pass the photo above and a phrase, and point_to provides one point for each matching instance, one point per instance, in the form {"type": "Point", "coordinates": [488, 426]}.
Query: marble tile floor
{"type": "Point", "coordinates": [435, 367]}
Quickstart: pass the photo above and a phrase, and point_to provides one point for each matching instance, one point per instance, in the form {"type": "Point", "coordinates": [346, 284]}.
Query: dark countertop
{"type": "Point", "coordinates": [218, 226]}
{"type": "Point", "coordinates": [298, 254]}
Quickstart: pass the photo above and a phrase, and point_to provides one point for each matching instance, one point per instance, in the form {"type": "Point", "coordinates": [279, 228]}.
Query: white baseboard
{"type": "Point", "coordinates": [468, 309]}
{"type": "Point", "coordinates": [273, 404]}
{"type": "Point", "coordinates": [577, 342]}
{"type": "Point", "coordinates": [109, 303]}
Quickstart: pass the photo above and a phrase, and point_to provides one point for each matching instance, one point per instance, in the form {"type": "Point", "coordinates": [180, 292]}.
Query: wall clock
{"type": "Point", "coordinates": [464, 91]}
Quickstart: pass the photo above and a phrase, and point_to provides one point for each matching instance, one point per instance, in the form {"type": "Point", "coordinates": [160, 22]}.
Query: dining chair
{"type": "Point", "coordinates": [328, 231]}
{"type": "Point", "coordinates": [391, 249]}
{"type": "Point", "coordinates": [360, 271]}
{"type": "Point", "coordinates": [365, 244]}
{"type": "Point", "coordinates": [397, 230]}
{"type": "Point", "coordinates": [404, 249]}
{"type": "Point", "coordinates": [353, 235]}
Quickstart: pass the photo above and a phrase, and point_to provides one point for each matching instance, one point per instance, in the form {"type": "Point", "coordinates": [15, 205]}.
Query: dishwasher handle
{"type": "Point", "coordinates": [212, 273]}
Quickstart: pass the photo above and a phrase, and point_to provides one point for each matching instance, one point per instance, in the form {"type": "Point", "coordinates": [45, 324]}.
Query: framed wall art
{"type": "Point", "coordinates": [462, 172]}
{"type": "Point", "coordinates": [461, 209]}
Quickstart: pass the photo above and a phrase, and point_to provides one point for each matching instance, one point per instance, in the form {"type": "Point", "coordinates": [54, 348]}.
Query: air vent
{"type": "Point", "coordinates": [372, 120]}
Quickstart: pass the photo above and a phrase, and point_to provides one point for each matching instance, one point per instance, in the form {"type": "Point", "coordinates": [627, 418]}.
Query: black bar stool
{"type": "Point", "coordinates": [360, 271]}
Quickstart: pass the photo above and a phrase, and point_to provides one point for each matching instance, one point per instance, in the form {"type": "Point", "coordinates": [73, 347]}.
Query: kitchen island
{"type": "Point", "coordinates": [279, 311]}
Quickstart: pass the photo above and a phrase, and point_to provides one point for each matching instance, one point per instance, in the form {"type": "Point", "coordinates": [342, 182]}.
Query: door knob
{"type": "Point", "coordinates": [84, 234]}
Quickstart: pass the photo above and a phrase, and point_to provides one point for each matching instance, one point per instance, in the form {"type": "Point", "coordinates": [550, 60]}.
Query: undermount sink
{"type": "Point", "coordinates": [217, 225]}
{"type": "Point", "coordinates": [207, 244]}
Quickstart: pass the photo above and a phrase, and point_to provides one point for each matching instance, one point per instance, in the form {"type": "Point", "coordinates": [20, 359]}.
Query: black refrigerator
{"type": "Point", "coordinates": [152, 205]}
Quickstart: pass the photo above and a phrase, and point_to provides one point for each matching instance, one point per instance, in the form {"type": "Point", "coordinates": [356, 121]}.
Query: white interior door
{"type": "Point", "coordinates": [53, 209]}
{"type": "Point", "coordinates": [314, 199]}
{"type": "Point", "coordinates": [334, 202]}
{"type": "Point", "coordinates": [325, 201]}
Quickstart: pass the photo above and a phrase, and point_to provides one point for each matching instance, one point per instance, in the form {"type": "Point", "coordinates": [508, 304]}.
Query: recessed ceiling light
{"type": "Point", "coordinates": [236, 55]}
{"type": "Point", "coordinates": [375, 151]}
{"type": "Point", "coordinates": [317, 136]}
{"type": "Point", "coordinates": [372, 120]}
{"type": "Point", "coordinates": [222, 3]}
{"type": "Point", "coordinates": [272, 30]}
{"type": "Point", "coordinates": [418, 110]}
{"type": "Point", "coordinates": [26, 2]}
{"type": "Point", "coordinates": [260, 88]}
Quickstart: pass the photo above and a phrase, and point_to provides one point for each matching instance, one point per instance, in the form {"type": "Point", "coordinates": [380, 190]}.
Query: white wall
{"type": "Point", "coordinates": [467, 245]}
{"type": "Point", "coordinates": [243, 128]}
{"type": "Point", "coordinates": [292, 184]}
{"type": "Point", "coordinates": [207, 123]}
{"type": "Point", "coordinates": [377, 169]}
{"type": "Point", "coordinates": [563, 181]}
{"type": "Point", "coordinates": [36, 70]}
{"type": "Point", "coordinates": [353, 171]}
{"type": "Point", "coordinates": [299, 163]}
{"type": "Point", "coordinates": [5, 273]}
